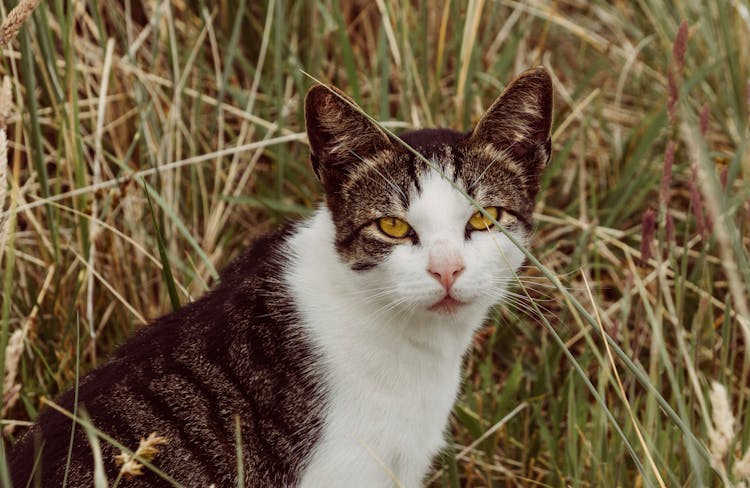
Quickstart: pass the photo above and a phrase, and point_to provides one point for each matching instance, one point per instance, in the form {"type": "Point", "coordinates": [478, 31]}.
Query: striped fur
{"type": "Point", "coordinates": [236, 351]}
{"type": "Point", "coordinates": [326, 339]}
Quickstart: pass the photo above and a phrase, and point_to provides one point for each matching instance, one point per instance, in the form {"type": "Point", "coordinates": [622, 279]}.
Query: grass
{"type": "Point", "coordinates": [149, 142]}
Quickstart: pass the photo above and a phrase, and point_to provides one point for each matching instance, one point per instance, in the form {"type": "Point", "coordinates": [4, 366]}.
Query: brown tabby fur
{"type": "Point", "coordinates": [240, 351]}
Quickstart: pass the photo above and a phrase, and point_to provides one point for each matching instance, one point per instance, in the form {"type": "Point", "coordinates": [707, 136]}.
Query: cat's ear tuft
{"type": "Point", "coordinates": [340, 136]}
{"type": "Point", "coordinates": [518, 122]}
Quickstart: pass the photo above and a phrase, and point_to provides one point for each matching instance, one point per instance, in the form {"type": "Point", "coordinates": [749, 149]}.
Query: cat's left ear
{"type": "Point", "coordinates": [340, 136]}
{"type": "Point", "coordinates": [518, 122]}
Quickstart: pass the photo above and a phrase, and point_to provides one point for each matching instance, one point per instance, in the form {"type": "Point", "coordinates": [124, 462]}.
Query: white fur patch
{"type": "Point", "coordinates": [392, 365]}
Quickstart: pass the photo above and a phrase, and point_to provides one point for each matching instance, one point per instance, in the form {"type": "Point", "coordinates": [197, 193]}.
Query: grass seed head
{"type": "Point", "coordinates": [704, 119]}
{"type": "Point", "coordinates": [673, 96]}
{"type": "Point", "coordinates": [648, 224]}
{"type": "Point", "coordinates": [12, 356]}
{"type": "Point", "coordinates": [741, 470]}
{"type": "Point", "coordinates": [15, 20]}
{"type": "Point", "coordinates": [666, 177]}
{"type": "Point", "coordinates": [147, 449]}
{"type": "Point", "coordinates": [697, 203]}
{"type": "Point", "coordinates": [680, 46]}
{"type": "Point", "coordinates": [6, 101]}
{"type": "Point", "coordinates": [721, 434]}
{"type": "Point", "coordinates": [4, 218]}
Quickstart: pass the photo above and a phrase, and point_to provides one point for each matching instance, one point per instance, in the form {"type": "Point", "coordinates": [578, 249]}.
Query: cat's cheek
{"type": "Point", "coordinates": [492, 261]}
{"type": "Point", "coordinates": [406, 270]}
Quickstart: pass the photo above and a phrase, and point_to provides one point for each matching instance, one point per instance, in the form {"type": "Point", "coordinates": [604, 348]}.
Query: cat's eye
{"type": "Point", "coordinates": [394, 227]}
{"type": "Point", "coordinates": [479, 221]}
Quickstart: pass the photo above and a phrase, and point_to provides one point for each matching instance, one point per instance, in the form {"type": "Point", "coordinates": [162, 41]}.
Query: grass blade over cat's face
{"type": "Point", "coordinates": [430, 256]}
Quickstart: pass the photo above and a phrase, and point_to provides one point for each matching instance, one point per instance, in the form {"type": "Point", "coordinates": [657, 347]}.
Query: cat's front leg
{"type": "Point", "coordinates": [341, 476]}
{"type": "Point", "coordinates": [349, 464]}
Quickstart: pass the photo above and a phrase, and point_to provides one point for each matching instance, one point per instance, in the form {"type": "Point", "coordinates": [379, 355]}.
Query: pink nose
{"type": "Point", "coordinates": [446, 272]}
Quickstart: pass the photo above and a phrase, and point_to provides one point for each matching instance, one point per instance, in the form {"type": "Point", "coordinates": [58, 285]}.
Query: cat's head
{"type": "Point", "coordinates": [401, 225]}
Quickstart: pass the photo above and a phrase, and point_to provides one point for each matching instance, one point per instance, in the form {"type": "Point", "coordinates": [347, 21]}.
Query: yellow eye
{"type": "Point", "coordinates": [393, 227]}
{"type": "Point", "coordinates": [479, 222]}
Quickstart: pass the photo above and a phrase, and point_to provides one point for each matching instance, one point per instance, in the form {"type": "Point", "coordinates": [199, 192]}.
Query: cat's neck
{"type": "Point", "coordinates": [391, 376]}
{"type": "Point", "coordinates": [339, 307]}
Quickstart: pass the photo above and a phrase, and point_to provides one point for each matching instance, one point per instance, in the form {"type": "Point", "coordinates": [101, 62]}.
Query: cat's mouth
{"type": "Point", "coordinates": [446, 305]}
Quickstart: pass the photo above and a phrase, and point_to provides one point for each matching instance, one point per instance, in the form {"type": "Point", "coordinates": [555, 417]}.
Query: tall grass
{"type": "Point", "coordinates": [150, 141]}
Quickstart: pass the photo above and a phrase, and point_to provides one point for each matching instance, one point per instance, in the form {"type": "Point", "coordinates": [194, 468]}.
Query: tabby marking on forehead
{"type": "Point", "coordinates": [497, 156]}
{"type": "Point", "coordinates": [373, 168]}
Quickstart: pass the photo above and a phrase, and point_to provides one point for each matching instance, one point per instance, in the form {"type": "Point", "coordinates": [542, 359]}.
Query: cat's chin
{"type": "Point", "coordinates": [447, 306]}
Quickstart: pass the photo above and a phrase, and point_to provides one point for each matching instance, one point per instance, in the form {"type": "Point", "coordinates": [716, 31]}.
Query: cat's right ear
{"type": "Point", "coordinates": [340, 136]}
{"type": "Point", "coordinates": [519, 121]}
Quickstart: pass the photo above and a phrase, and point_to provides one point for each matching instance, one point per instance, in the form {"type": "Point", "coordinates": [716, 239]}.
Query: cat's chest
{"type": "Point", "coordinates": [408, 392]}
{"type": "Point", "coordinates": [390, 375]}
{"type": "Point", "coordinates": [387, 407]}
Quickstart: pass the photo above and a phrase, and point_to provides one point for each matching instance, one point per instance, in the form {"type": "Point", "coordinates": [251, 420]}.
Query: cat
{"type": "Point", "coordinates": [335, 343]}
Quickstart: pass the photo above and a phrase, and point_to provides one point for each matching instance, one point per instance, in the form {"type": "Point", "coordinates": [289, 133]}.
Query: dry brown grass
{"type": "Point", "coordinates": [205, 115]}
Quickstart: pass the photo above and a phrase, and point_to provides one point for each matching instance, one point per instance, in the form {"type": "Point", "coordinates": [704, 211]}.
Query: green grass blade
{"type": "Point", "coordinates": [347, 54]}
{"type": "Point", "coordinates": [238, 451]}
{"type": "Point", "coordinates": [100, 478]}
{"type": "Point", "coordinates": [165, 266]}
{"type": "Point", "coordinates": [75, 403]}
{"type": "Point", "coordinates": [37, 151]}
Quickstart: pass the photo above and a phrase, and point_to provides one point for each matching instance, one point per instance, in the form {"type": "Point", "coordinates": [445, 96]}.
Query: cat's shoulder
{"type": "Point", "coordinates": [264, 250]}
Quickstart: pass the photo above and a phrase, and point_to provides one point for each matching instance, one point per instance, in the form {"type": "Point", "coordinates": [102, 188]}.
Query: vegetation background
{"type": "Point", "coordinates": [148, 142]}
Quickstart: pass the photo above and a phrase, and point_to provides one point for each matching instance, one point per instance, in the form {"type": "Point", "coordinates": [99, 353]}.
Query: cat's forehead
{"type": "Point", "coordinates": [387, 182]}
{"type": "Point", "coordinates": [440, 206]}
{"type": "Point", "coordinates": [392, 177]}
{"type": "Point", "coordinates": [399, 167]}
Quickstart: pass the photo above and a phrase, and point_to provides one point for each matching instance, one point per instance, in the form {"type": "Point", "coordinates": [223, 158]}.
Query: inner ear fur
{"type": "Point", "coordinates": [340, 136]}
{"type": "Point", "coordinates": [518, 122]}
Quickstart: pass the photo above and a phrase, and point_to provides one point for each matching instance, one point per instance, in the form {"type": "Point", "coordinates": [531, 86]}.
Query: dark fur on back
{"type": "Point", "coordinates": [235, 351]}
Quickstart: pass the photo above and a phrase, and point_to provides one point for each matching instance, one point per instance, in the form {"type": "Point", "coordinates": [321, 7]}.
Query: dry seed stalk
{"type": "Point", "coordinates": [146, 451]}
{"type": "Point", "coordinates": [4, 219]}
{"type": "Point", "coordinates": [6, 101]}
{"type": "Point", "coordinates": [15, 20]}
